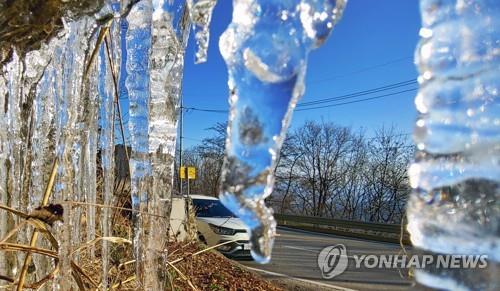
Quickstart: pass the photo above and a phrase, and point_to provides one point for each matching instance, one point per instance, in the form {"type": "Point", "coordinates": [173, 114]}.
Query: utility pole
{"type": "Point", "coordinates": [180, 143]}
{"type": "Point", "coordinates": [188, 193]}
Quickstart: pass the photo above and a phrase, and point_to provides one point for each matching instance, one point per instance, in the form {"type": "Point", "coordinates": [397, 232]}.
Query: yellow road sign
{"type": "Point", "coordinates": [190, 172]}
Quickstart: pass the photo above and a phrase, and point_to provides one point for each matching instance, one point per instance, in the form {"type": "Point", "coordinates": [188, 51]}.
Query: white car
{"type": "Point", "coordinates": [216, 224]}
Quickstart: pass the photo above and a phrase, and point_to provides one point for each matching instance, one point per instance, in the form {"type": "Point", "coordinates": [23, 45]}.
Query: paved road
{"type": "Point", "coordinates": [295, 254]}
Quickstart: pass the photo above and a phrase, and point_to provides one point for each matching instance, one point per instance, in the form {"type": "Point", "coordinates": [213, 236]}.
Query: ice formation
{"type": "Point", "coordinates": [60, 107]}
{"type": "Point", "coordinates": [138, 45]}
{"type": "Point", "coordinates": [61, 98]}
{"type": "Point", "coordinates": [265, 49]}
{"type": "Point", "coordinates": [200, 12]}
{"type": "Point", "coordinates": [455, 207]}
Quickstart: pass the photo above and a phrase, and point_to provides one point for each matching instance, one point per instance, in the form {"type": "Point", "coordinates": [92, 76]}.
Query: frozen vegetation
{"type": "Point", "coordinates": [62, 86]}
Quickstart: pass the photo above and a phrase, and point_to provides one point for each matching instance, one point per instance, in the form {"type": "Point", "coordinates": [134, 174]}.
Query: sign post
{"type": "Point", "coordinates": [188, 173]}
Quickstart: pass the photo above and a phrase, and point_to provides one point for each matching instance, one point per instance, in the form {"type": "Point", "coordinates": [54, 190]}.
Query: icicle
{"type": "Point", "coordinates": [21, 143]}
{"type": "Point", "coordinates": [108, 75]}
{"type": "Point", "coordinates": [90, 154]}
{"type": "Point", "coordinates": [43, 145]}
{"type": "Point", "coordinates": [70, 101]}
{"type": "Point", "coordinates": [14, 73]}
{"type": "Point", "coordinates": [106, 93]}
{"type": "Point", "coordinates": [32, 67]}
{"type": "Point", "coordinates": [265, 48]}
{"type": "Point", "coordinates": [200, 13]}
{"type": "Point", "coordinates": [454, 207]}
{"type": "Point", "coordinates": [138, 42]}
{"type": "Point", "coordinates": [8, 262]}
{"type": "Point", "coordinates": [21, 79]}
{"type": "Point", "coordinates": [4, 228]}
{"type": "Point", "coordinates": [166, 63]}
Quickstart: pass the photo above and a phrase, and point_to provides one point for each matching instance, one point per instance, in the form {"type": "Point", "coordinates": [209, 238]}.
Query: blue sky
{"type": "Point", "coordinates": [371, 47]}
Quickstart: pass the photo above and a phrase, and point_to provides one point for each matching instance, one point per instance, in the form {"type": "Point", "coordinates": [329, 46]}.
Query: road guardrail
{"type": "Point", "coordinates": [358, 229]}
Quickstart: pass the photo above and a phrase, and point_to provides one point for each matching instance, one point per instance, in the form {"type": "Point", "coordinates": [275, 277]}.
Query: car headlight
{"type": "Point", "coordinates": [221, 230]}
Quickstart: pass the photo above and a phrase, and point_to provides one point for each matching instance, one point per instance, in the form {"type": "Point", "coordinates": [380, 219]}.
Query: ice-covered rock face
{"type": "Point", "coordinates": [265, 48]}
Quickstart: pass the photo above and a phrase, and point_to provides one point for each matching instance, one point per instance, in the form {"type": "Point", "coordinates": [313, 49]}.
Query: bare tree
{"type": "Point", "coordinates": [285, 174]}
{"type": "Point", "coordinates": [324, 170]}
{"type": "Point", "coordinates": [351, 189]}
{"type": "Point", "coordinates": [321, 148]}
{"type": "Point", "coordinates": [386, 176]}
{"type": "Point", "coordinates": [207, 157]}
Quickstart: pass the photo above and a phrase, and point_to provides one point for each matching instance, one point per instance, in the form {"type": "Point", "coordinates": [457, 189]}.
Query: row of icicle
{"type": "Point", "coordinates": [62, 111]}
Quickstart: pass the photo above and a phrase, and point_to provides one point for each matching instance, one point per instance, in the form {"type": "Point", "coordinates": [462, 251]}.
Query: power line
{"type": "Point", "coordinates": [193, 139]}
{"type": "Point", "coordinates": [331, 99]}
{"type": "Point", "coordinates": [205, 110]}
{"type": "Point", "coordinates": [360, 93]}
{"type": "Point", "coordinates": [362, 70]}
{"type": "Point", "coordinates": [357, 101]}
{"type": "Point", "coordinates": [336, 98]}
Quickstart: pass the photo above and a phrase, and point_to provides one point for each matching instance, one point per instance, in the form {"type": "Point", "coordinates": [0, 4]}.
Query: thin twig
{"type": "Point", "coordinates": [126, 263]}
{"type": "Point", "coordinates": [41, 227]}
{"type": "Point", "coordinates": [115, 207]}
{"type": "Point", "coordinates": [129, 279]}
{"type": "Point", "coordinates": [170, 281]}
{"type": "Point", "coordinates": [183, 277]}
{"type": "Point", "coordinates": [14, 211]}
{"type": "Point", "coordinates": [85, 275]}
{"type": "Point", "coordinates": [112, 239]}
{"type": "Point", "coordinates": [26, 248]}
{"type": "Point", "coordinates": [119, 267]}
{"type": "Point", "coordinates": [117, 99]}
{"type": "Point", "coordinates": [34, 236]}
{"type": "Point", "coordinates": [203, 251]}
{"type": "Point", "coordinates": [12, 232]}
{"type": "Point", "coordinates": [38, 285]}
{"type": "Point", "coordinates": [102, 33]}
{"type": "Point", "coordinates": [5, 278]}
{"type": "Point", "coordinates": [78, 279]}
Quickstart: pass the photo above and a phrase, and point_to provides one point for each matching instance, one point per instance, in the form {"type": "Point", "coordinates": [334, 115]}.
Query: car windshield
{"type": "Point", "coordinates": [210, 208]}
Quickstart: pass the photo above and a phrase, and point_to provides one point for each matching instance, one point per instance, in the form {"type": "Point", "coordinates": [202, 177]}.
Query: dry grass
{"type": "Point", "coordinates": [186, 263]}
{"type": "Point", "coordinates": [212, 271]}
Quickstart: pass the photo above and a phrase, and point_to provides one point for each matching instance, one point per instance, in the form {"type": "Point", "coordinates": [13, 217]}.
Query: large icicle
{"type": "Point", "coordinates": [43, 148]}
{"type": "Point", "coordinates": [8, 262]}
{"type": "Point", "coordinates": [166, 54]}
{"type": "Point", "coordinates": [4, 225]}
{"type": "Point", "coordinates": [138, 42]}
{"type": "Point", "coordinates": [106, 93]}
{"type": "Point", "coordinates": [265, 48]}
{"type": "Point", "coordinates": [15, 144]}
{"type": "Point", "coordinates": [69, 82]}
{"type": "Point", "coordinates": [21, 77]}
{"type": "Point", "coordinates": [200, 13]}
{"type": "Point", "coordinates": [90, 159]}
